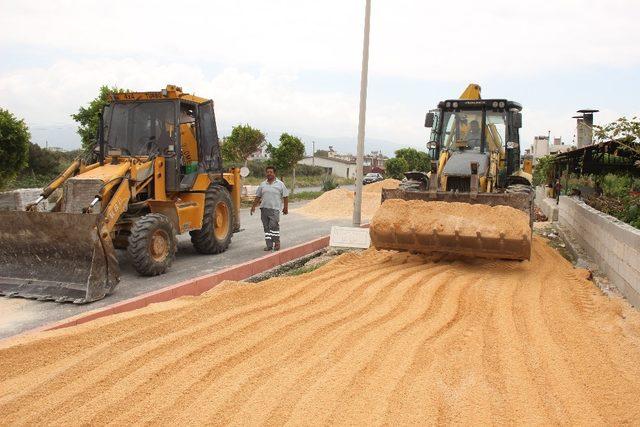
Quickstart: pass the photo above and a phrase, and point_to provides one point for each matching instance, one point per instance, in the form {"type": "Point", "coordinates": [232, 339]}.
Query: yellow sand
{"type": "Point", "coordinates": [371, 338]}
{"type": "Point", "coordinates": [338, 203]}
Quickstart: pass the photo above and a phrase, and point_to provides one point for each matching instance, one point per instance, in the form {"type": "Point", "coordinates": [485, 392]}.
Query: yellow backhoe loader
{"type": "Point", "coordinates": [475, 152]}
{"type": "Point", "coordinates": [158, 174]}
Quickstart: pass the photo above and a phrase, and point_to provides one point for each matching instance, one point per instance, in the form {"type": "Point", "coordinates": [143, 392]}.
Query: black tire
{"type": "Point", "coordinates": [217, 227]}
{"type": "Point", "coordinates": [152, 244]}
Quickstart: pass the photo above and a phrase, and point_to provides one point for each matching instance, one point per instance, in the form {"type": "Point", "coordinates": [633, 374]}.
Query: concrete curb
{"type": "Point", "coordinates": [195, 286]}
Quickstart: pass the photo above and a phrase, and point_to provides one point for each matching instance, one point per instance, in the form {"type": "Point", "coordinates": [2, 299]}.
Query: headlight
{"type": "Point", "coordinates": [431, 144]}
{"type": "Point", "coordinates": [448, 105]}
{"type": "Point", "coordinates": [512, 144]}
{"type": "Point", "coordinates": [501, 104]}
{"type": "Point", "coordinates": [494, 104]}
{"type": "Point", "coordinates": [455, 105]}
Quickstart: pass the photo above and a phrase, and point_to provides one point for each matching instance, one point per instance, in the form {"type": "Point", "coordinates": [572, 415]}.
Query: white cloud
{"type": "Point", "coordinates": [266, 100]}
{"type": "Point", "coordinates": [466, 39]}
{"type": "Point", "coordinates": [247, 55]}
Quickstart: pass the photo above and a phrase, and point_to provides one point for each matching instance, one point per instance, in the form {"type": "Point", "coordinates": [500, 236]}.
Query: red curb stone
{"type": "Point", "coordinates": [289, 254]}
{"type": "Point", "coordinates": [159, 296]}
{"type": "Point", "coordinates": [185, 289]}
{"type": "Point", "coordinates": [97, 315]}
{"type": "Point", "coordinates": [265, 263]}
{"type": "Point", "coordinates": [210, 282]}
{"type": "Point", "coordinates": [62, 325]}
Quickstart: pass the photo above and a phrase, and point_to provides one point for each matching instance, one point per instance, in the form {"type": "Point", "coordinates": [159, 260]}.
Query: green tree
{"type": "Point", "coordinates": [286, 155]}
{"type": "Point", "coordinates": [623, 130]}
{"type": "Point", "coordinates": [543, 171]}
{"type": "Point", "coordinates": [88, 117]}
{"type": "Point", "coordinates": [243, 142]}
{"type": "Point", "coordinates": [396, 167]}
{"type": "Point", "coordinates": [416, 160]}
{"type": "Point", "coordinates": [14, 146]}
{"type": "Point", "coordinates": [43, 162]}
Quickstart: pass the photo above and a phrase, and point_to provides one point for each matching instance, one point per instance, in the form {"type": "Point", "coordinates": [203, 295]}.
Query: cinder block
{"type": "Point", "coordinates": [629, 274]}
{"type": "Point", "coordinates": [632, 256]}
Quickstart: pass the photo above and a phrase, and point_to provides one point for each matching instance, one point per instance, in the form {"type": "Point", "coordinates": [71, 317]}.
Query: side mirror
{"type": "Point", "coordinates": [428, 121]}
{"type": "Point", "coordinates": [517, 120]}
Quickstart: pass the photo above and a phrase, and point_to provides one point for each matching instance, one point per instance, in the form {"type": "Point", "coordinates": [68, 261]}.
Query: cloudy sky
{"type": "Point", "coordinates": [295, 65]}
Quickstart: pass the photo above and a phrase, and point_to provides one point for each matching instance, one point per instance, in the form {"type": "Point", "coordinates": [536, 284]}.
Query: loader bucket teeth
{"type": "Point", "coordinates": [55, 256]}
{"type": "Point", "coordinates": [429, 226]}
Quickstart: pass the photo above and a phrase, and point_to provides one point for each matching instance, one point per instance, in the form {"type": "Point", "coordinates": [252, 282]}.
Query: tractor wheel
{"type": "Point", "coordinates": [152, 244]}
{"type": "Point", "coordinates": [217, 224]}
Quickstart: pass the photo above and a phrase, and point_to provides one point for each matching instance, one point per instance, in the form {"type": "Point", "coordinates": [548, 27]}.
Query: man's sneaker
{"type": "Point", "coordinates": [267, 249]}
{"type": "Point", "coordinates": [276, 246]}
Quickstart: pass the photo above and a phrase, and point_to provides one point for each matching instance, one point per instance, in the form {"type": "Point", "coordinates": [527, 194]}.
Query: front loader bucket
{"type": "Point", "coordinates": [446, 222]}
{"type": "Point", "coordinates": [55, 256]}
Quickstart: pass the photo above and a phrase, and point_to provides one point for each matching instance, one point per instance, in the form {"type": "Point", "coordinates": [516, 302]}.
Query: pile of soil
{"type": "Point", "coordinates": [418, 216]}
{"type": "Point", "coordinates": [374, 337]}
{"type": "Point", "coordinates": [378, 186]}
{"type": "Point", "coordinates": [338, 203]}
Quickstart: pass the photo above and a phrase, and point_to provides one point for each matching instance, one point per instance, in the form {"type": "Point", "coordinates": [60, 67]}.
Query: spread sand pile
{"type": "Point", "coordinates": [338, 203]}
{"type": "Point", "coordinates": [378, 186]}
{"type": "Point", "coordinates": [371, 338]}
{"type": "Point", "coordinates": [411, 225]}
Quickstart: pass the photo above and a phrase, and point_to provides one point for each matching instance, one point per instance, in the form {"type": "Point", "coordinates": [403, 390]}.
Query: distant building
{"type": "Point", "coordinates": [344, 165]}
{"type": "Point", "coordinates": [374, 162]}
{"type": "Point", "coordinates": [259, 154]}
{"type": "Point", "coordinates": [540, 147]}
{"type": "Point", "coordinates": [332, 165]}
{"type": "Point", "coordinates": [558, 147]}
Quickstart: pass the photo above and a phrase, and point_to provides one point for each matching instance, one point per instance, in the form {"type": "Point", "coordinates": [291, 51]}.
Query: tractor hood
{"type": "Point", "coordinates": [459, 164]}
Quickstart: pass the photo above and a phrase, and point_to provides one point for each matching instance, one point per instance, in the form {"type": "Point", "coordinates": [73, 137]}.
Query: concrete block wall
{"type": "Point", "coordinates": [614, 245]}
{"type": "Point", "coordinates": [546, 204]}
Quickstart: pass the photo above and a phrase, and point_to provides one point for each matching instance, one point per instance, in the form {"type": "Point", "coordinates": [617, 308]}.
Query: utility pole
{"type": "Point", "coordinates": [313, 153]}
{"type": "Point", "coordinates": [357, 204]}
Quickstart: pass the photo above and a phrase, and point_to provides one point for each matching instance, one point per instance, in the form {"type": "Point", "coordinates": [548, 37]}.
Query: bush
{"type": "Point", "coordinates": [329, 183]}
{"type": "Point", "coordinates": [308, 170]}
{"type": "Point", "coordinates": [396, 167]}
{"type": "Point", "coordinates": [620, 197]}
{"type": "Point", "coordinates": [543, 171]}
{"type": "Point", "coordinates": [14, 146]}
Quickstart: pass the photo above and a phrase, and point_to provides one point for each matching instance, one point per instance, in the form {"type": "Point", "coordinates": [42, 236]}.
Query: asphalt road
{"type": "Point", "coordinates": [18, 315]}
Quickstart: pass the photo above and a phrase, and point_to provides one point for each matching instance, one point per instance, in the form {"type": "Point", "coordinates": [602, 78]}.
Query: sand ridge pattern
{"type": "Point", "coordinates": [371, 338]}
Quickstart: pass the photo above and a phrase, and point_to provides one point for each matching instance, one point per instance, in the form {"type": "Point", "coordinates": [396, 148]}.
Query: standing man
{"type": "Point", "coordinates": [270, 195]}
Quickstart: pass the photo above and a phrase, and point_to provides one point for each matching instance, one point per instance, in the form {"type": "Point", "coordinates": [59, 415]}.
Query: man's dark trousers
{"type": "Point", "coordinates": [271, 224]}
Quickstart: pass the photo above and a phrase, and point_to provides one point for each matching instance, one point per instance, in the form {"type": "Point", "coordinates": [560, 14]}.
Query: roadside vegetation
{"type": "Point", "coordinates": [405, 160]}
{"type": "Point", "coordinates": [616, 194]}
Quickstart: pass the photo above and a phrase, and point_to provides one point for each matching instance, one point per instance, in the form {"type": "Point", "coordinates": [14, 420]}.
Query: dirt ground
{"type": "Point", "coordinates": [370, 338]}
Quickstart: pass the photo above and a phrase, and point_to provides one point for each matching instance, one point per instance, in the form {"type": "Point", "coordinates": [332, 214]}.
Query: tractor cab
{"type": "Point", "coordinates": [179, 127]}
{"type": "Point", "coordinates": [474, 130]}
